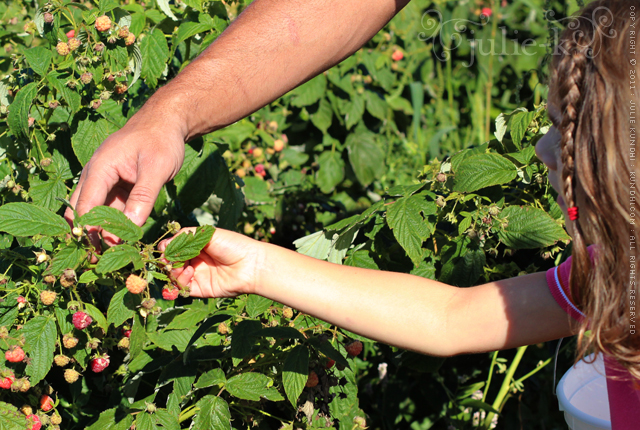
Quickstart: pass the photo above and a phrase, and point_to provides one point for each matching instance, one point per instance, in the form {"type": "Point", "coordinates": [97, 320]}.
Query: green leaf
{"type": "Point", "coordinates": [310, 92]}
{"type": "Point", "coordinates": [464, 271]}
{"type": "Point", "coordinates": [117, 257]}
{"type": "Point", "coordinates": [112, 419]}
{"type": "Point", "coordinates": [316, 245]}
{"type": "Point", "coordinates": [211, 378]}
{"type": "Point", "coordinates": [88, 277]}
{"type": "Point", "coordinates": [63, 317]}
{"type": "Point", "coordinates": [365, 156]}
{"type": "Point", "coordinates": [45, 193]}
{"type": "Point", "coordinates": [8, 316]}
{"type": "Point", "coordinates": [501, 126]}
{"type": "Point", "coordinates": [295, 373]}
{"type": "Point", "coordinates": [168, 340]}
{"type": "Point", "coordinates": [155, 53]}
{"type": "Point", "coordinates": [407, 219]}
{"type": "Point", "coordinates": [122, 307]}
{"type": "Point", "coordinates": [144, 421]}
{"type": "Point", "coordinates": [68, 257]}
{"type": "Point", "coordinates": [244, 337]}
{"type": "Point", "coordinates": [186, 246]}
{"type": "Point", "coordinates": [164, 7]}
{"type": "Point", "coordinates": [23, 219]}
{"type": "Point", "coordinates": [483, 170]}
{"type": "Point", "coordinates": [168, 420]}
{"type": "Point", "coordinates": [529, 228]}
{"type": "Point", "coordinates": [113, 221]}
{"type": "Point", "coordinates": [40, 335]}
{"type": "Point", "coordinates": [138, 335]}
{"type": "Point", "coordinates": [329, 351]}
{"type": "Point", "coordinates": [89, 135]}
{"type": "Point", "coordinates": [97, 316]}
{"type": "Point", "coordinates": [253, 386]}
{"type": "Point", "coordinates": [213, 415]}
{"type": "Point", "coordinates": [257, 305]}
{"type": "Point", "coordinates": [353, 111]}
{"type": "Point", "coordinates": [519, 124]}
{"type": "Point", "coordinates": [323, 116]}
{"type": "Point", "coordinates": [18, 119]}
{"type": "Point", "coordinates": [331, 171]}
{"type": "Point", "coordinates": [199, 176]}
{"type": "Point", "coordinates": [39, 59]}
{"type": "Point", "coordinates": [190, 318]}
{"type": "Point", "coordinates": [12, 419]}
{"type": "Point", "coordinates": [257, 190]}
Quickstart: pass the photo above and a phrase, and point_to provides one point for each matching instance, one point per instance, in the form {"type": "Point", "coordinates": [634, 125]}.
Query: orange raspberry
{"type": "Point", "coordinates": [135, 284]}
{"type": "Point", "coordinates": [69, 341]}
{"type": "Point", "coordinates": [123, 33]}
{"type": "Point", "coordinates": [71, 376]}
{"type": "Point", "coordinates": [103, 23]}
{"type": "Point", "coordinates": [63, 48]}
{"type": "Point", "coordinates": [130, 40]}
{"type": "Point", "coordinates": [48, 297]}
{"type": "Point", "coordinates": [74, 44]}
{"type": "Point", "coordinates": [61, 360]}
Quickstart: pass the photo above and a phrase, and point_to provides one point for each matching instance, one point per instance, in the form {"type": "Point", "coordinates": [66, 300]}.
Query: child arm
{"type": "Point", "coordinates": [395, 308]}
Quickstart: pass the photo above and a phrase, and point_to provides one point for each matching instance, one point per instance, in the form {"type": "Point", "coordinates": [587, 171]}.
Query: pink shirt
{"type": "Point", "coordinates": [624, 395]}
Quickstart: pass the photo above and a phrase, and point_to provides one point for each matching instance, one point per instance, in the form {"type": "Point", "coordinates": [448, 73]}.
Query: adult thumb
{"type": "Point", "coordinates": [142, 197]}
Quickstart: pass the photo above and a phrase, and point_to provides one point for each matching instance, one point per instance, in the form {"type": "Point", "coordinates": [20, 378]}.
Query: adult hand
{"type": "Point", "coordinates": [128, 170]}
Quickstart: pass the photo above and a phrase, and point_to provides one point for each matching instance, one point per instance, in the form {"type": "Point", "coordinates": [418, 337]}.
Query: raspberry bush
{"type": "Point", "coordinates": [112, 343]}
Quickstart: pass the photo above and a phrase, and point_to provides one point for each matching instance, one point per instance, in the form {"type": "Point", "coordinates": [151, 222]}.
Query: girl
{"type": "Point", "coordinates": [589, 154]}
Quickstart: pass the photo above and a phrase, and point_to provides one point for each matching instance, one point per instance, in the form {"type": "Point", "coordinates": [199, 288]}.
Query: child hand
{"type": "Point", "coordinates": [226, 267]}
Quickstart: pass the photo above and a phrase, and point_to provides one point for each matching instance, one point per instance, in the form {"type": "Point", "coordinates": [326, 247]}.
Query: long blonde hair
{"type": "Point", "coordinates": [591, 82]}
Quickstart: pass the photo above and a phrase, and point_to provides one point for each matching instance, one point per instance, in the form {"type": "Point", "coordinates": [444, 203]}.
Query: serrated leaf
{"type": "Point", "coordinates": [45, 193]}
{"type": "Point", "coordinates": [164, 7]}
{"type": "Point", "coordinates": [316, 245]}
{"type": "Point", "coordinates": [309, 92]}
{"type": "Point", "coordinates": [113, 221]}
{"type": "Point", "coordinates": [214, 414]}
{"type": "Point", "coordinates": [39, 59]}
{"type": "Point", "coordinates": [331, 171]}
{"type": "Point", "coordinates": [188, 319]}
{"type": "Point", "coordinates": [8, 316]}
{"type": "Point", "coordinates": [122, 307]}
{"type": "Point", "coordinates": [168, 340]}
{"type": "Point", "coordinates": [70, 96]}
{"type": "Point", "coordinates": [501, 126]}
{"type": "Point", "coordinates": [40, 335]}
{"type": "Point", "coordinates": [365, 156]}
{"type": "Point", "coordinates": [18, 118]}
{"type": "Point", "coordinates": [483, 170]}
{"type": "Point", "coordinates": [529, 228]}
{"type": "Point", "coordinates": [144, 421]}
{"type": "Point", "coordinates": [323, 116]}
{"type": "Point", "coordinates": [353, 110]}
{"type": "Point", "coordinates": [204, 327]}
{"type": "Point", "coordinates": [12, 419]}
{"type": "Point", "coordinates": [168, 420]}
{"type": "Point", "coordinates": [155, 53]}
{"type": "Point", "coordinates": [257, 305]}
{"type": "Point", "coordinates": [244, 337]}
{"type": "Point", "coordinates": [519, 124]}
{"type": "Point", "coordinates": [407, 219]}
{"type": "Point", "coordinates": [253, 386]}
{"type": "Point", "coordinates": [295, 373]}
{"type": "Point", "coordinates": [88, 277]}
{"type": "Point", "coordinates": [211, 378]}
{"type": "Point", "coordinates": [117, 257]}
{"type": "Point", "coordinates": [138, 335]}
{"type": "Point", "coordinates": [89, 135]}
{"type": "Point", "coordinates": [112, 419]}
{"type": "Point", "coordinates": [68, 257]}
{"type": "Point", "coordinates": [97, 316]}
{"type": "Point", "coordinates": [186, 246]}
{"type": "Point", "coordinates": [23, 219]}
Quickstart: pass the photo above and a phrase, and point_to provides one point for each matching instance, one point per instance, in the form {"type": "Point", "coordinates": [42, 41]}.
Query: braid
{"type": "Point", "coordinates": [572, 68]}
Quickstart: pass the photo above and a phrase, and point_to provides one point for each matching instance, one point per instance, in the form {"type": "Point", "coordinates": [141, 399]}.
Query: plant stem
{"type": "Point", "coordinates": [486, 386]}
{"type": "Point", "coordinates": [506, 386]}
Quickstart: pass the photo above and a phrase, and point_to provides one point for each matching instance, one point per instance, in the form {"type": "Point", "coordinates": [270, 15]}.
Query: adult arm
{"type": "Point", "coordinates": [272, 47]}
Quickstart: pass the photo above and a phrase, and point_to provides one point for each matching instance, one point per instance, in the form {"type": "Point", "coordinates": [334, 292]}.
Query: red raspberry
{"type": "Point", "coordinates": [121, 88]}
{"type": "Point", "coordinates": [48, 17]}
{"type": "Point", "coordinates": [81, 320]}
{"type": "Point", "coordinates": [330, 364]}
{"type": "Point", "coordinates": [71, 33]}
{"type": "Point", "coordinates": [354, 348]}
{"type": "Point", "coordinates": [46, 403]}
{"type": "Point", "coordinates": [71, 376]}
{"type": "Point", "coordinates": [21, 299]}
{"type": "Point", "coordinates": [33, 422]}
{"type": "Point", "coordinates": [63, 48]}
{"type": "Point", "coordinates": [486, 11]}
{"type": "Point", "coordinates": [259, 169]}
{"type": "Point", "coordinates": [103, 23]}
{"type": "Point", "coordinates": [170, 292]}
{"type": "Point", "coordinates": [86, 78]}
{"type": "Point", "coordinates": [100, 363]}
{"type": "Point", "coordinates": [7, 378]}
{"type": "Point", "coordinates": [126, 333]}
{"type": "Point", "coordinates": [397, 55]}
{"type": "Point", "coordinates": [312, 380]}
{"type": "Point", "coordinates": [135, 284]}
{"type": "Point", "coordinates": [15, 354]}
